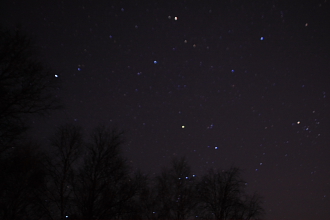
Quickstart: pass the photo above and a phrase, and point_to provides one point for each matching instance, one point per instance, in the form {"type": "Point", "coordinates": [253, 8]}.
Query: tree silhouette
{"type": "Point", "coordinates": [175, 191]}
{"type": "Point", "coordinates": [178, 194]}
{"type": "Point", "coordinates": [26, 86]}
{"type": "Point", "coordinates": [144, 201]}
{"type": "Point", "coordinates": [67, 145]}
{"type": "Point", "coordinates": [103, 187]}
{"type": "Point", "coordinates": [21, 175]}
{"type": "Point", "coordinates": [141, 200]}
{"type": "Point", "coordinates": [251, 208]}
{"type": "Point", "coordinates": [91, 180]}
{"type": "Point", "coordinates": [221, 195]}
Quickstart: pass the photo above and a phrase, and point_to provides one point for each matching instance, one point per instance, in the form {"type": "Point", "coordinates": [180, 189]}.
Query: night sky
{"type": "Point", "coordinates": [242, 83]}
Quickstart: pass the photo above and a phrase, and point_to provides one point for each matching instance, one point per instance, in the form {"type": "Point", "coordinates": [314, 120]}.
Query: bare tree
{"type": "Point", "coordinates": [175, 191]}
{"type": "Point", "coordinates": [66, 144]}
{"type": "Point", "coordinates": [251, 208]}
{"type": "Point", "coordinates": [222, 196]}
{"type": "Point", "coordinates": [142, 203]}
{"type": "Point", "coordinates": [104, 187]}
{"type": "Point", "coordinates": [26, 86]}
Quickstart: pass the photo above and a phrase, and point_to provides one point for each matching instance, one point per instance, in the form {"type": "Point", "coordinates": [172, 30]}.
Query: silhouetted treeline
{"type": "Point", "coordinates": [87, 178]}
{"type": "Point", "coordinates": [81, 176]}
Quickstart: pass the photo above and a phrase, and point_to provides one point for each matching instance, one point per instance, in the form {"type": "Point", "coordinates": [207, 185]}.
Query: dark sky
{"type": "Point", "coordinates": [223, 83]}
